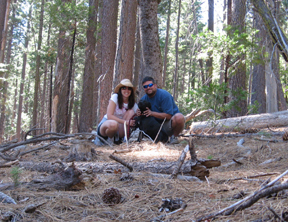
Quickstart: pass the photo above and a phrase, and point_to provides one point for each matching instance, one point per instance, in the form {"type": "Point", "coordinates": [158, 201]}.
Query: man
{"type": "Point", "coordinates": [162, 106]}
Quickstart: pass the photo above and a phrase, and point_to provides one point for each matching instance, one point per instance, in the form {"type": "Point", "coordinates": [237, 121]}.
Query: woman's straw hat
{"type": "Point", "coordinates": [124, 82]}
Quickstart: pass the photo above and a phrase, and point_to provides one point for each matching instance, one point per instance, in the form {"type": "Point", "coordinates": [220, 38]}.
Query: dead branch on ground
{"type": "Point", "coordinates": [266, 190]}
{"type": "Point", "coordinates": [121, 161]}
{"type": "Point", "coordinates": [9, 164]}
{"type": "Point", "coordinates": [180, 162]}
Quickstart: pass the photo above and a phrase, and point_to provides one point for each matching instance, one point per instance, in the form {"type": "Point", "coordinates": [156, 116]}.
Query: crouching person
{"type": "Point", "coordinates": [121, 109]}
{"type": "Point", "coordinates": [162, 106]}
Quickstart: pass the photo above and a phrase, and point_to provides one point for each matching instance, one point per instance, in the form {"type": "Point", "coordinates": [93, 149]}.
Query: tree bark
{"type": "Point", "coordinates": [20, 103]}
{"type": "Point", "coordinates": [86, 112]}
{"type": "Point", "coordinates": [166, 43]}
{"type": "Point", "coordinates": [4, 13]}
{"type": "Point", "coordinates": [126, 41]}
{"type": "Point", "coordinates": [175, 74]}
{"type": "Point", "coordinates": [137, 81]}
{"type": "Point", "coordinates": [258, 79]}
{"type": "Point", "coordinates": [37, 73]}
{"type": "Point", "coordinates": [238, 80]}
{"type": "Point", "coordinates": [152, 61]}
{"type": "Point", "coordinates": [109, 38]}
{"type": "Point", "coordinates": [98, 68]}
{"type": "Point", "coordinates": [209, 62]}
{"type": "Point", "coordinates": [63, 72]}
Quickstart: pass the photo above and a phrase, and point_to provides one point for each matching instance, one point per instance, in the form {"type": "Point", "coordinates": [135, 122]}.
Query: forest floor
{"type": "Point", "coordinates": [264, 154]}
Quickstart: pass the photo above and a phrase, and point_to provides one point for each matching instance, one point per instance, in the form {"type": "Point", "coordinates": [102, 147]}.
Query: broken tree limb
{"type": "Point", "coordinates": [248, 201]}
{"type": "Point", "coordinates": [121, 161]}
{"type": "Point", "coordinates": [180, 162]}
{"type": "Point", "coordinates": [9, 164]}
{"type": "Point", "coordinates": [40, 139]}
{"type": "Point", "coordinates": [36, 149]}
{"type": "Point", "coordinates": [198, 112]}
{"type": "Point", "coordinates": [242, 123]}
{"type": "Point", "coordinates": [264, 191]}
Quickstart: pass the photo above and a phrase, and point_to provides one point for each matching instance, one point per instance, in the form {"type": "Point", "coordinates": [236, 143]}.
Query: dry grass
{"type": "Point", "coordinates": [142, 196]}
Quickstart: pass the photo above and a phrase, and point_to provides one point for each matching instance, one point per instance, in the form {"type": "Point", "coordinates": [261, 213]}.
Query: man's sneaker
{"type": "Point", "coordinates": [173, 140]}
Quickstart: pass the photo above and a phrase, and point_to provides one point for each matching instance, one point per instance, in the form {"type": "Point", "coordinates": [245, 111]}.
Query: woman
{"type": "Point", "coordinates": [120, 110]}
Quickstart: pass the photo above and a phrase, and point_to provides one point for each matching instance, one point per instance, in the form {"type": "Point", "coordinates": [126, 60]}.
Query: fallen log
{"type": "Point", "coordinates": [237, 124]}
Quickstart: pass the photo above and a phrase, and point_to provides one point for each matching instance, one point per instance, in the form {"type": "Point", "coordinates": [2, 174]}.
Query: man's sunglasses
{"type": "Point", "coordinates": [124, 88]}
{"type": "Point", "coordinates": [149, 85]}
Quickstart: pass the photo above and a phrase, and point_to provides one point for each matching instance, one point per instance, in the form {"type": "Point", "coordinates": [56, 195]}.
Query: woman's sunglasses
{"type": "Point", "coordinates": [124, 88]}
{"type": "Point", "coordinates": [149, 85]}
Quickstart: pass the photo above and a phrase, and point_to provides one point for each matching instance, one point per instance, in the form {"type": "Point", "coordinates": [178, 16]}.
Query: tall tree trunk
{"type": "Point", "coordinates": [280, 95]}
{"type": "Point", "coordinates": [126, 42]}
{"type": "Point", "coordinates": [6, 75]}
{"type": "Point", "coordinates": [86, 112]}
{"type": "Point", "coordinates": [109, 38]}
{"type": "Point", "coordinates": [70, 93]}
{"type": "Point", "coordinates": [37, 73]}
{"type": "Point", "coordinates": [209, 62]}
{"type": "Point", "coordinates": [152, 61]}
{"type": "Point", "coordinates": [4, 13]}
{"type": "Point", "coordinates": [98, 69]}
{"type": "Point", "coordinates": [63, 72]}
{"type": "Point", "coordinates": [45, 117]}
{"type": "Point", "coordinates": [137, 59]}
{"type": "Point", "coordinates": [175, 75]}
{"type": "Point", "coordinates": [238, 80]}
{"type": "Point", "coordinates": [166, 43]}
{"type": "Point", "coordinates": [20, 103]}
{"type": "Point", "coordinates": [259, 80]}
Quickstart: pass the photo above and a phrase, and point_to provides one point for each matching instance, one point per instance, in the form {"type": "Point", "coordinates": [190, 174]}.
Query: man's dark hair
{"type": "Point", "coordinates": [131, 99]}
{"type": "Point", "coordinates": [148, 78]}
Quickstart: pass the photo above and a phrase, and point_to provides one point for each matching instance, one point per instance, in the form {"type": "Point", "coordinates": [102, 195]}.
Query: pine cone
{"type": "Point", "coordinates": [111, 196]}
{"type": "Point", "coordinates": [285, 136]}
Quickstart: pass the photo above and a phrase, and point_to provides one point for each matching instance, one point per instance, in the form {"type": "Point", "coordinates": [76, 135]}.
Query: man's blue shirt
{"type": "Point", "coordinates": [162, 102]}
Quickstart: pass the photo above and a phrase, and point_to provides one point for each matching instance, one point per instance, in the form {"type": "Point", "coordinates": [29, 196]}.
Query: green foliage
{"type": "Point", "coordinates": [210, 97]}
{"type": "Point", "coordinates": [15, 175]}
{"type": "Point", "coordinates": [210, 157]}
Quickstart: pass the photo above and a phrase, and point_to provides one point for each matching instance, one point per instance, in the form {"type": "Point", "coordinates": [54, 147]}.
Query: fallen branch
{"type": "Point", "coordinates": [251, 199]}
{"type": "Point", "coordinates": [9, 164]}
{"type": "Point", "coordinates": [38, 148]}
{"type": "Point", "coordinates": [121, 161]}
{"type": "Point", "coordinates": [180, 162]}
{"type": "Point", "coordinates": [40, 139]}
{"type": "Point", "coordinates": [198, 112]}
{"type": "Point", "coordinates": [248, 177]}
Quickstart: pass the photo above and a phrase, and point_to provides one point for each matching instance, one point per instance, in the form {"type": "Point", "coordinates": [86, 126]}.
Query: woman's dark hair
{"type": "Point", "coordinates": [131, 99]}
